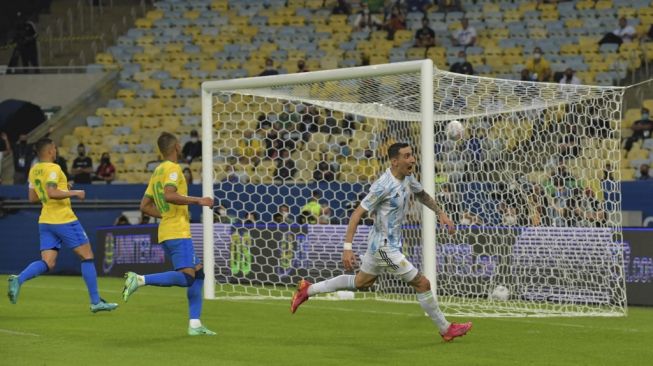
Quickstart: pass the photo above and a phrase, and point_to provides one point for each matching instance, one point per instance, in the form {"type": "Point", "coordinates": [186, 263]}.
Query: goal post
{"type": "Point", "coordinates": [533, 185]}
{"type": "Point", "coordinates": [424, 67]}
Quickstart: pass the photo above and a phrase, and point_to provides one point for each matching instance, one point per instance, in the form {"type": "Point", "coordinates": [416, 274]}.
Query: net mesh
{"type": "Point", "coordinates": [533, 185]}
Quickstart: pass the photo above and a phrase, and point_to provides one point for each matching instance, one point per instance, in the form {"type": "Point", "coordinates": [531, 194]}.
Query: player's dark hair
{"type": "Point", "coordinates": [41, 144]}
{"type": "Point", "coordinates": [393, 150]}
{"type": "Point", "coordinates": [166, 142]}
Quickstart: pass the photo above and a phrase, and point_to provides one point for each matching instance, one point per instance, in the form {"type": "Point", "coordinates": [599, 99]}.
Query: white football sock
{"type": "Point", "coordinates": [342, 282]}
{"type": "Point", "coordinates": [195, 323]}
{"type": "Point", "coordinates": [430, 305]}
{"type": "Point", "coordinates": [140, 280]}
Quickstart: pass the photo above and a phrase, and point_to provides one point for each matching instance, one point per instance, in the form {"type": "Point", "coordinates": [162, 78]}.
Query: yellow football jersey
{"type": "Point", "coordinates": [175, 222]}
{"type": "Point", "coordinates": [53, 211]}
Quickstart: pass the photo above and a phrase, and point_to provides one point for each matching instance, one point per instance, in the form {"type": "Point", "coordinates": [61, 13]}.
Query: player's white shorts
{"type": "Point", "coordinates": [391, 262]}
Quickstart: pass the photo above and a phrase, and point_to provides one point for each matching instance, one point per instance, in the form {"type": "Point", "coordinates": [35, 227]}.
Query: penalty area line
{"type": "Point", "coordinates": [14, 332]}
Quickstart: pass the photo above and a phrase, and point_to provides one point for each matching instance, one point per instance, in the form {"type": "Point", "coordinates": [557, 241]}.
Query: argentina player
{"type": "Point", "coordinates": [387, 201]}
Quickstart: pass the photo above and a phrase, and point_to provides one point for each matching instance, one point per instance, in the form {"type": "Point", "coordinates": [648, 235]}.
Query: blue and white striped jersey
{"type": "Point", "coordinates": [388, 203]}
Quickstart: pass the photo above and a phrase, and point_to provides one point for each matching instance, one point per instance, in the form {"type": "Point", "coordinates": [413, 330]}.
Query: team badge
{"type": "Point", "coordinates": [173, 176]}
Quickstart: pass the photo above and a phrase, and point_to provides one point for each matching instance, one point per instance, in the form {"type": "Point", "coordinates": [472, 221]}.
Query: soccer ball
{"type": "Point", "coordinates": [500, 293]}
{"type": "Point", "coordinates": [455, 130]}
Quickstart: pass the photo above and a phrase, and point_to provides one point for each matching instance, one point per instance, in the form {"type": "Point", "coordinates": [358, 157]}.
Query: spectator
{"type": "Point", "coordinates": [325, 216]}
{"type": "Point", "coordinates": [585, 209]}
{"type": "Point", "coordinates": [250, 219]}
{"type": "Point", "coordinates": [396, 21]}
{"type": "Point", "coordinates": [643, 172]}
{"type": "Point", "coordinates": [624, 34]}
{"type": "Point", "coordinates": [306, 218]}
{"type": "Point", "coordinates": [105, 171]}
{"type": "Point", "coordinates": [525, 75]}
{"type": "Point", "coordinates": [366, 21]}
{"type": "Point", "coordinates": [342, 8]}
{"type": "Point", "coordinates": [323, 172]}
{"type": "Point", "coordinates": [425, 36]}
{"type": "Point", "coordinates": [538, 66]}
{"type": "Point", "coordinates": [82, 166]}
{"type": "Point", "coordinates": [284, 211]}
{"type": "Point", "coordinates": [570, 77]}
{"type": "Point", "coordinates": [313, 206]}
{"type": "Point", "coordinates": [269, 68]}
{"type": "Point", "coordinates": [188, 175]}
{"type": "Point", "coordinates": [277, 218]}
{"type": "Point", "coordinates": [193, 148]}
{"type": "Point", "coordinates": [220, 215]}
{"type": "Point", "coordinates": [144, 219]}
{"type": "Point", "coordinates": [466, 36]}
{"type": "Point", "coordinates": [285, 166]}
{"type": "Point", "coordinates": [235, 172]}
{"type": "Point", "coordinates": [642, 129]}
{"type": "Point", "coordinates": [23, 155]}
{"type": "Point", "coordinates": [301, 66]}
{"type": "Point", "coordinates": [121, 221]}
{"type": "Point", "coordinates": [5, 149]}
{"type": "Point", "coordinates": [26, 48]}
{"type": "Point", "coordinates": [462, 66]}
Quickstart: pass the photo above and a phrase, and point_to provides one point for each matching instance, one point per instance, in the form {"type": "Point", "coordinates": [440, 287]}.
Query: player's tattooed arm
{"type": "Point", "coordinates": [429, 202]}
{"type": "Point", "coordinates": [57, 194]}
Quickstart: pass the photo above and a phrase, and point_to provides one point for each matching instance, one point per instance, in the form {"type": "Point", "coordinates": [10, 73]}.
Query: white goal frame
{"type": "Point", "coordinates": [423, 67]}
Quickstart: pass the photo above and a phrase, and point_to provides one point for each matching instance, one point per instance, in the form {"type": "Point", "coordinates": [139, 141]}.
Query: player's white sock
{"type": "Point", "coordinates": [342, 282]}
{"type": "Point", "coordinates": [195, 323]}
{"type": "Point", "coordinates": [430, 305]}
{"type": "Point", "coordinates": [140, 280]}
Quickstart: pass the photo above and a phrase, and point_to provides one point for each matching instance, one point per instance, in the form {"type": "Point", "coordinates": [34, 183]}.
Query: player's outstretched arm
{"type": "Point", "coordinates": [148, 207]}
{"type": "Point", "coordinates": [57, 194]}
{"type": "Point", "coordinates": [171, 196]}
{"type": "Point", "coordinates": [429, 202]}
{"type": "Point", "coordinates": [348, 257]}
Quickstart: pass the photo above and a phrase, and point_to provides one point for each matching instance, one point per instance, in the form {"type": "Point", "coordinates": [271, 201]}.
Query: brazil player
{"type": "Point", "coordinates": [58, 226]}
{"type": "Point", "coordinates": [388, 202]}
{"type": "Point", "coordinates": [166, 198]}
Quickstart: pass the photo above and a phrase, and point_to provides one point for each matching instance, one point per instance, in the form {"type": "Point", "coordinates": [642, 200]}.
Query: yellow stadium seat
{"type": "Point", "coordinates": [585, 4]}
{"type": "Point", "coordinates": [627, 12]}
{"type": "Point", "coordinates": [192, 14]}
{"type": "Point", "coordinates": [402, 36]}
{"type": "Point", "coordinates": [415, 53]}
{"type": "Point", "coordinates": [574, 23]}
{"type": "Point", "coordinates": [155, 14]}
{"type": "Point", "coordinates": [220, 5]}
{"type": "Point", "coordinates": [144, 23]}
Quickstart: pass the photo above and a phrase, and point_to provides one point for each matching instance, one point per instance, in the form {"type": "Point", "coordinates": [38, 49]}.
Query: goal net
{"type": "Point", "coordinates": [533, 186]}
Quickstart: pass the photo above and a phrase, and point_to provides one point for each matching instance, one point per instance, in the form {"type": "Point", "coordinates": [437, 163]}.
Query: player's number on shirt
{"type": "Point", "coordinates": [160, 199]}
{"type": "Point", "coordinates": [39, 187]}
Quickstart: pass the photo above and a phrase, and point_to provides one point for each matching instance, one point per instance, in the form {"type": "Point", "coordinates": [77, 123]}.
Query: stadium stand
{"type": "Point", "coordinates": [179, 44]}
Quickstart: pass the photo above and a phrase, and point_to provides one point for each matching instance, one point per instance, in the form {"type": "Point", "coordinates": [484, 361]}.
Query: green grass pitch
{"type": "Point", "coordinates": [51, 325]}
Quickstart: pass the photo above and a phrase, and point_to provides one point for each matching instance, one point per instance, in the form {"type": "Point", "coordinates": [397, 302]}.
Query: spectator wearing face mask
{"type": "Point", "coordinates": [643, 172]}
{"type": "Point", "coordinates": [23, 154]}
{"type": "Point", "coordinates": [538, 66]}
{"type": "Point", "coordinates": [105, 171]}
{"type": "Point", "coordinates": [193, 148]}
{"type": "Point", "coordinates": [269, 68]}
{"type": "Point", "coordinates": [5, 149]}
{"type": "Point", "coordinates": [642, 129]}
{"type": "Point", "coordinates": [82, 166]}
{"type": "Point", "coordinates": [570, 78]}
{"type": "Point", "coordinates": [301, 66]}
{"type": "Point", "coordinates": [462, 66]}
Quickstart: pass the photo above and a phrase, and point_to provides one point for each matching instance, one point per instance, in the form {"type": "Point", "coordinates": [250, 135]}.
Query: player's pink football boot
{"type": "Point", "coordinates": [300, 296]}
{"type": "Point", "coordinates": [456, 330]}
